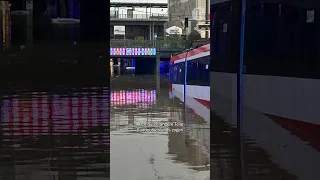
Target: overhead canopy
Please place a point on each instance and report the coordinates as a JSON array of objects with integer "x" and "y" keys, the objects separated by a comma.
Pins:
[{"x": 140, "y": 4}]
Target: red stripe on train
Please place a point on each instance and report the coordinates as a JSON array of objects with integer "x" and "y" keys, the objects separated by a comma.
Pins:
[
  {"x": 203, "y": 102},
  {"x": 193, "y": 52},
  {"x": 305, "y": 131}
]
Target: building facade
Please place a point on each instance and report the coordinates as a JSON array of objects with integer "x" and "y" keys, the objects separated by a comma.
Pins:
[
  {"x": 194, "y": 10},
  {"x": 135, "y": 24}
]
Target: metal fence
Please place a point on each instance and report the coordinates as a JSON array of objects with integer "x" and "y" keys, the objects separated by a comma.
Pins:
[
  {"x": 139, "y": 16},
  {"x": 159, "y": 44}
]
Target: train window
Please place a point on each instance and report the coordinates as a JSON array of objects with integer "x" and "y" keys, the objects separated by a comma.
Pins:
[
  {"x": 191, "y": 73},
  {"x": 220, "y": 53},
  {"x": 286, "y": 45}
]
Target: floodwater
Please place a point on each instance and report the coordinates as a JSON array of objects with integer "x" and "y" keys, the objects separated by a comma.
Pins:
[
  {"x": 151, "y": 138},
  {"x": 61, "y": 134},
  {"x": 253, "y": 162},
  {"x": 54, "y": 122},
  {"x": 64, "y": 132}
]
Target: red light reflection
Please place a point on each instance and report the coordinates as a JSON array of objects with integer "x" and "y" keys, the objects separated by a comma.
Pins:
[
  {"x": 35, "y": 116},
  {"x": 141, "y": 98}
]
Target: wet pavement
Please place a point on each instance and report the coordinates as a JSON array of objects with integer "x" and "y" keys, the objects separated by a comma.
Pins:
[{"x": 151, "y": 138}]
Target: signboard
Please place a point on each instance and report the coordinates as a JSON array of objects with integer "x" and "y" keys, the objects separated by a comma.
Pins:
[
  {"x": 310, "y": 16},
  {"x": 129, "y": 13},
  {"x": 119, "y": 30},
  {"x": 29, "y": 5},
  {"x": 174, "y": 30},
  {"x": 132, "y": 51}
]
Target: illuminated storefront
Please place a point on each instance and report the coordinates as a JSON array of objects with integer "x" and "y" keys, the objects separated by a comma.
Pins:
[{"x": 132, "y": 51}]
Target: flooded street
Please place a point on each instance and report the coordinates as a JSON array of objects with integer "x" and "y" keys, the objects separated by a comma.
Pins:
[
  {"x": 61, "y": 119},
  {"x": 54, "y": 99},
  {"x": 151, "y": 138},
  {"x": 61, "y": 134}
]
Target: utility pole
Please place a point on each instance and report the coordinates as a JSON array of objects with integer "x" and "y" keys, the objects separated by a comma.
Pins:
[
  {"x": 207, "y": 19},
  {"x": 186, "y": 25},
  {"x": 241, "y": 15},
  {"x": 29, "y": 8}
]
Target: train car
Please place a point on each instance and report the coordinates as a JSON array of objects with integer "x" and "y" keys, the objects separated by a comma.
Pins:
[
  {"x": 190, "y": 78},
  {"x": 280, "y": 80}
]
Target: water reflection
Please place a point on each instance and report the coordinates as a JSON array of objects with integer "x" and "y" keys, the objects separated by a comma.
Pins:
[
  {"x": 47, "y": 135},
  {"x": 258, "y": 163},
  {"x": 274, "y": 148},
  {"x": 141, "y": 149},
  {"x": 5, "y": 24}
]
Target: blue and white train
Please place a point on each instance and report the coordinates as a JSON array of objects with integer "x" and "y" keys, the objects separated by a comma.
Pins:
[
  {"x": 190, "y": 75},
  {"x": 280, "y": 80}
]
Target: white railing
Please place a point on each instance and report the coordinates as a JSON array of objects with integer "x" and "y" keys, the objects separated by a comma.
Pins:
[{"x": 139, "y": 16}]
